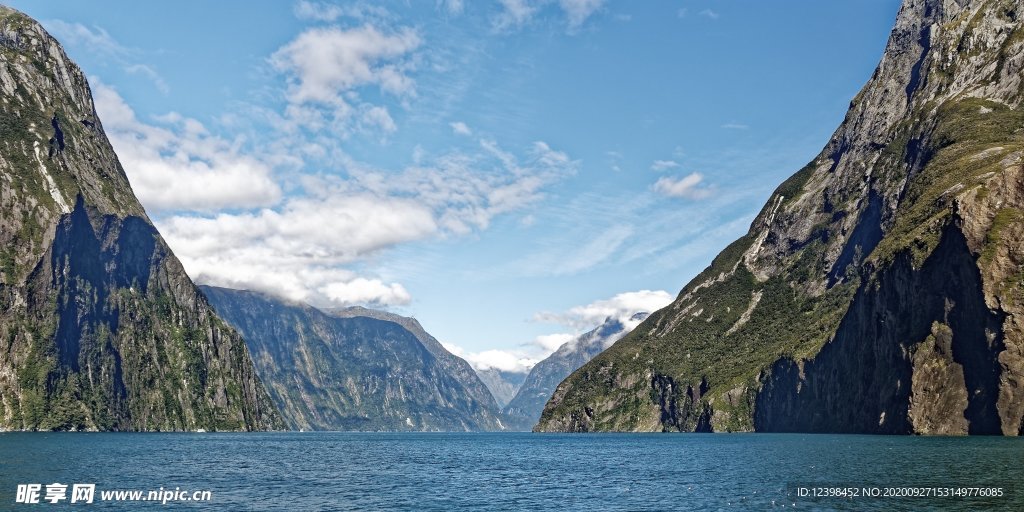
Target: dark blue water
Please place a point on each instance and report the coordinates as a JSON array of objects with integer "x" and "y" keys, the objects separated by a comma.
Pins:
[{"x": 348, "y": 471}]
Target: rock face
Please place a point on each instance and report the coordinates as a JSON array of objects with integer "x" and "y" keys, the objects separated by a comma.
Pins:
[
  {"x": 503, "y": 385},
  {"x": 881, "y": 289},
  {"x": 545, "y": 376},
  {"x": 356, "y": 369},
  {"x": 100, "y": 327}
]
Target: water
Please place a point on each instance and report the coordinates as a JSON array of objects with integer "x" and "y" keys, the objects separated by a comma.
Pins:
[{"x": 506, "y": 471}]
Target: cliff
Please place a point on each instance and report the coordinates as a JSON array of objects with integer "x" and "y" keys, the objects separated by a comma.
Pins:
[
  {"x": 880, "y": 289},
  {"x": 100, "y": 329}
]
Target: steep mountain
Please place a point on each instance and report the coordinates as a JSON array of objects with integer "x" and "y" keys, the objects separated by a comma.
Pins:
[
  {"x": 503, "y": 385},
  {"x": 450, "y": 363},
  {"x": 545, "y": 376},
  {"x": 880, "y": 289},
  {"x": 355, "y": 369},
  {"x": 100, "y": 326}
]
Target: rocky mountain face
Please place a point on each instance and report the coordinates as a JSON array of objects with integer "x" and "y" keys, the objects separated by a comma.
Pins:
[
  {"x": 451, "y": 364},
  {"x": 100, "y": 328},
  {"x": 503, "y": 385},
  {"x": 545, "y": 376},
  {"x": 880, "y": 289},
  {"x": 356, "y": 369}
]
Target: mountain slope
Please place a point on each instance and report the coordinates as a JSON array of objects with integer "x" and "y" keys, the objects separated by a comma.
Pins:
[
  {"x": 355, "y": 369},
  {"x": 450, "y": 363},
  {"x": 545, "y": 376},
  {"x": 880, "y": 289},
  {"x": 502, "y": 385},
  {"x": 100, "y": 326}
]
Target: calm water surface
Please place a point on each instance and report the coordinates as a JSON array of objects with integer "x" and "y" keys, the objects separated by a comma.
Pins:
[{"x": 506, "y": 471}]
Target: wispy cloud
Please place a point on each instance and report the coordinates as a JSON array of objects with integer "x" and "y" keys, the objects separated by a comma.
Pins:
[
  {"x": 708, "y": 13},
  {"x": 329, "y": 12},
  {"x": 452, "y": 7},
  {"x": 577, "y": 256},
  {"x": 579, "y": 10},
  {"x": 735, "y": 126},
  {"x": 151, "y": 74},
  {"x": 664, "y": 165},
  {"x": 95, "y": 38},
  {"x": 99, "y": 41},
  {"x": 515, "y": 14}
]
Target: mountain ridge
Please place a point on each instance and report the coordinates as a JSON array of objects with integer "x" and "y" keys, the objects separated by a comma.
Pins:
[{"x": 356, "y": 368}]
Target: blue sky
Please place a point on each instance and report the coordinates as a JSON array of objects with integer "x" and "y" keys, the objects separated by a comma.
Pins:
[{"x": 508, "y": 172}]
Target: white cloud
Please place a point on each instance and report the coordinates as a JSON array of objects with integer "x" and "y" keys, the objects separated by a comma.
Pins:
[
  {"x": 514, "y": 14},
  {"x": 453, "y": 7},
  {"x": 686, "y": 187},
  {"x": 363, "y": 291},
  {"x": 579, "y": 10},
  {"x": 380, "y": 118},
  {"x": 178, "y": 165},
  {"x": 581, "y": 319},
  {"x": 323, "y": 63},
  {"x": 621, "y": 307},
  {"x": 682, "y": 12},
  {"x": 317, "y": 11},
  {"x": 517, "y": 13},
  {"x": 460, "y": 128},
  {"x": 327, "y": 12},
  {"x": 301, "y": 248},
  {"x": 708, "y": 13},
  {"x": 735, "y": 126},
  {"x": 663, "y": 165},
  {"x": 550, "y": 342},
  {"x": 511, "y": 361}
]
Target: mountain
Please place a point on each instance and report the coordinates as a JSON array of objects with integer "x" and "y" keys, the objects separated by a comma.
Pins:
[
  {"x": 356, "y": 368},
  {"x": 452, "y": 364},
  {"x": 101, "y": 328},
  {"x": 545, "y": 376},
  {"x": 880, "y": 289},
  {"x": 503, "y": 385}
]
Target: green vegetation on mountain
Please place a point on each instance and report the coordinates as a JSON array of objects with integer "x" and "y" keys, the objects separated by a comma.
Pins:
[
  {"x": 356, "y": 368},
  {"x": 879, "y": 289},
  {"x": 100, "y": 329}
]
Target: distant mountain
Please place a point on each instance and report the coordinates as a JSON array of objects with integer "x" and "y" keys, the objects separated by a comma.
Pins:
[
  {"x": 545, "y": 376},
  {"x": 880, "y": 289},
  {"x": 503, "y": 385},
  {"x": 101, "y": 327},
  {"x": 356, "y": 368},
  {"x": 452, "y": 364}
]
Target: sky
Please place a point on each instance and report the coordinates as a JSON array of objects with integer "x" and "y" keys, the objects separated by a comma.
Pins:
[{"x": 509, "y": 172}]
